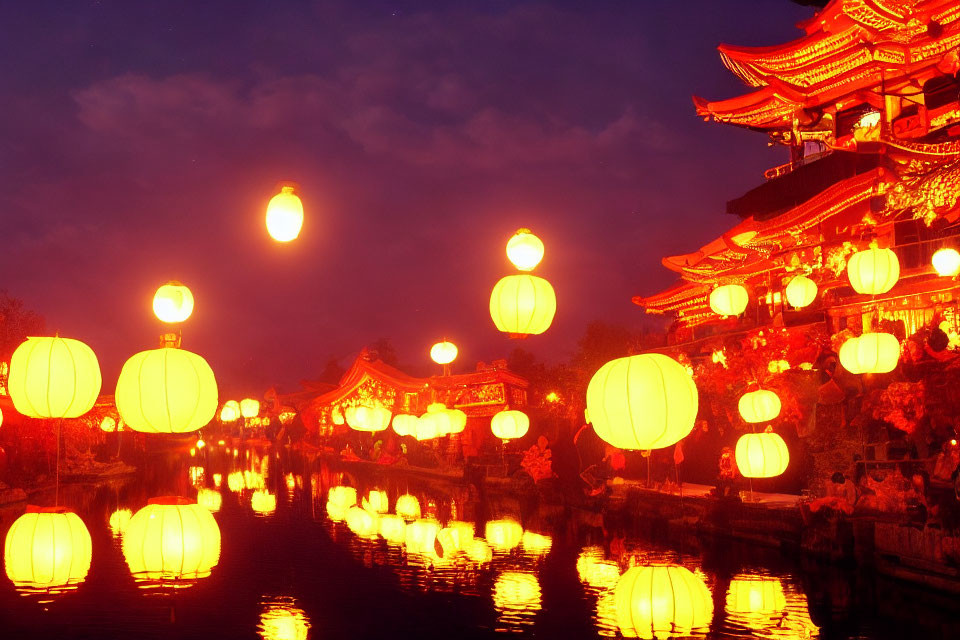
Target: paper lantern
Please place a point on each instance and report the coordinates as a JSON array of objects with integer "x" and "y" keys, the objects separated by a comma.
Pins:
[
  {"x": 211, "y": 500},
  {"x": 479, "y": 551},
  {"x": 362, "y": 418},
  {"x": 756, "y": 595},
  {"x": 263, "y": 502},
  {"x": 870, "y": 353},
  {"x": 249, "y": 408},
  {"x": 53, "y": 378},
  {"x": 516, "y": 592},
  {"x": 503, "y": 534},
  {"x": 230, "y": 411},
  {"x": 453, "y": 538},
  {"x": 729, "y": 300},
  {"x": 525, "y": 250},
  {"x": 361, "y": 522},
  {"x": 946, "y": 262},
  {"x": 281, "y": 620},
  {"x": 428, "y": 426},
  {"x": 421, "y": 536},
  {"x": 166, "y": 391},
  {"x": 443, "y": 352},
  {"x": 392, "y": 528},
  {"x": 284, "y": 215},
  {"x": 762, "y": 405},
  {"x": 873, "y": 271},
  {"x": 801, "y": 292},
  {"x": 108, "y": 424},
  {"x": 173, "y": 302},
  {"x": 761, "y": 455},
  {"x": 523, "y": 305},
  {"x": 47, "y": 549},
  {"x": 339, "y": 499},
  {"x": 172, "y": 539},
  {"x": 119, "y": 520},
  {"x": 647, "y": 401},
  {"x": 376, "y": 502},
  {"x": 441, "y": 418},
  {"x": 404, "y": 424},
  {"x": 408, "y": 507},
  {"x": 510, "y": 424},
  {"x": 535, "y": 543},
  {"x": 662, "y": 600}
]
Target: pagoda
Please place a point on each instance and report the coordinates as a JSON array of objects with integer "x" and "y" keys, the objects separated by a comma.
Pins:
[{"x": 866, "y": 103}]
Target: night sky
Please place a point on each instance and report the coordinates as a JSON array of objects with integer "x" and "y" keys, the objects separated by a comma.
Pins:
[{"x": 140, "y": 142}]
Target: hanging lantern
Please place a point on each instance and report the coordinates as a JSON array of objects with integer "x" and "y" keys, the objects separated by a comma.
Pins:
[
  {"x": 392, "y": 528},
  {"x": 873, "y": 271},
  {"x": 662, "y": 600},
  {"x": 729, "y": 300},
  {"x": 376, "y": 502},
  {"x": 510, "y": 424},
  {"x": 458, "y": 420},
  {"x": 759, "y": 406},
  {"x": 946, "y": 262},
  {"x": 53, "y": 378},
  {"x": 263, "y": 502},
  {"x": 503, "y": 534},
  {"x": 284, "y": 215},
  {"x": 166, "y": 391},
  {"x": 47, "y": 549},
  {"x": 108, "y": 424},
  {"x": 440, "y": 418},
  {"x": 525, "y": 250},
  {"x": 801, "y": 292},
  {"x": 647, "y": 401},
  {"x": 173, "y": 302},
  {"x": 523, "y": 305},
  {"x": 408, "y": 507},
  {"x": 443, "y": 352},
  {"x": 362, "y": 418},
  {"x": 870, "y": 353},
  {"x": 404, "y": 424},
  {"x": 421, "y": 536},
  {"x": 171, "y": 539},
  {"x": 428, "y": 427},
  {"x": 249, "y": 408},
  {"x": 210, "y": 500},
  {"x": 761, "y": 455},
  {"x": 119, "y": 520}
]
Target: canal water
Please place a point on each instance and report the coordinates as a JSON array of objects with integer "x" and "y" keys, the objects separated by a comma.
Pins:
[{"x": 295, "y": 563}]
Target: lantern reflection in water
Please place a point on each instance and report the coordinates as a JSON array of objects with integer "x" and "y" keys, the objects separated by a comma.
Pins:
[
  {"x": 535, "y": 544},
  {"x": 408, "y": 507},
  {"x": 503, "y": 535},
  {"x": 516, "y": 597},
  {"x": 47, "y": 550},
  {"x": 210, "y": 500},
  {"x": 283, "y": 620},
  {"x": 263, "y": 502},
  {"x": 595, "y": 571},
  {"x": 339, "y": 499},
  {"x": 119, "y": 520},
  {"x": 764, "y": 605},
  {"x": 658, "y": 600}
]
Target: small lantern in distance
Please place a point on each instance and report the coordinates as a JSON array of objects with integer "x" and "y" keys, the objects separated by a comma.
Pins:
[
  {"x": 443, "y": 353},
  {"x": 173, "y": 302},
  {"x": 285, "y": 215},
  {"x": 525, "y": 250}
]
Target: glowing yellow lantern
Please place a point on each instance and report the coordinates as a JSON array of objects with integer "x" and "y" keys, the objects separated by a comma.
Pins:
[
  {"x": 284, "y": 215},
  {"x": 47, "y": 549},
  {"x": 281, "y": 620},
  {"x": 662, "y": 600},
  {"x": 210, "y": 500},
  {"x": 361, "y": 522},
  {"x": 516, "y": 592},
  {"x": 263, "y": 502},
  {"x": 249, "y": 408},
  {"x": 362, "y": 418},
  {"x": 421, "y": 536},
  {"x": 873, "y": 271},
  {"x": 647, "y": 401},
  {"x": 523, "y": 305},
  {"x": 230, "y": 412},
  {"x": 946, "y": 262},
  {"x": 456, "y": 536},
  {"x": 171, "y": 539},
  {"x": 458, "y": 420},
  {"x": 503, "y": 534},
  {"x": 173, "y": 302},
  {"x": 408, "y": 507},
  {"x": 525, "y": 250},
  {"x": 535, "y": 543},
  {"x": 428, "y": 426},
  {"x": 166, "y": 391},
  {"x": 755, "y": 595},
  {"x": 339, "y": 499},
  {"x": 376, "y": 502},
  {"x": 761, "y": 455},
  {"x": 404, "y": 424},
  {"x": 479, "y": 551},
  {"x": 443, "y": 352},
  {"x": 595, "y": 570},
  {"x": 53, "y": 378},
  {"x": 119, "y": 520},
  {"x": 510, "y": 424},
  {"x": 393, "y": 529},
  {"x": 108, "y": 424},
  {"x": 336, "y": 416},
  {"x": 870, "y": 353},
  {"x": 801, "y": 292},
  {"x": 217, "y": 480},
  {"x": 1, "y": 418},
  {"x": 729, "y": 300},
  {"x": 762, "y": 405}
]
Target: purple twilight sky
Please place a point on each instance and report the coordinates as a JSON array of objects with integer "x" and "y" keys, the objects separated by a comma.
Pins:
[{"x": 140, "y": 142}]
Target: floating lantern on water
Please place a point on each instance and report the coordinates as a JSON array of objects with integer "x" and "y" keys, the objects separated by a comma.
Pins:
[
  {"x": 946, "y": 262},
  {"x": 362, "y": 418},
  {"x": 408, "y": 507},
  {"x": 510, "y": 424},
  {"x": 873, "y": 271},
  {"x": 525, "y": 250},
  {"x": 535, "y": 543},
  {"x": 443, "y": 352},
  {"x": 647, "y": 401},
  {"x": 662, "y": 600},
  {"x": 456, "y": 536},
  {"x": 53, "y": 378},
  {"x": 282, "y": 620},
  {"x": 376, "y": 502},
  {"x": 870, "y": 353},
  {"x": 47, "y": 550},
  {"x": 801, "y": 292},
  {"x": 392, "y": 528},
  {"x": 119, "y": 520},
  {"x": 172, "y": 541},
  {"x": 729, "y": 300},
  {"x": 503, "y": 535},
  {"x": 761, "y": 455},
  {"x": 339, "y": 499},
  {"x": 361, "y": 522},
  {"x": 166, "y": 391},
  {"x": 285, "y": 215},
  {"x": 762, "y": 405},
  {"x": 421, "y": 536},
  {"x": 210, "y": 500},
  {"x": 173, "y": 302},
  {"x": 523, "y": 305},
  {"x": 479, "y": 551}
]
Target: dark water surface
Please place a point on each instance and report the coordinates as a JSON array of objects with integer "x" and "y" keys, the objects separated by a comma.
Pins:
[{"x": 294, "y": 573}]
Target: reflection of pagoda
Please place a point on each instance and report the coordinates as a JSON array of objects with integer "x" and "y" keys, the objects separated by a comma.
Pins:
[{"x": 866, "y": 101}]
